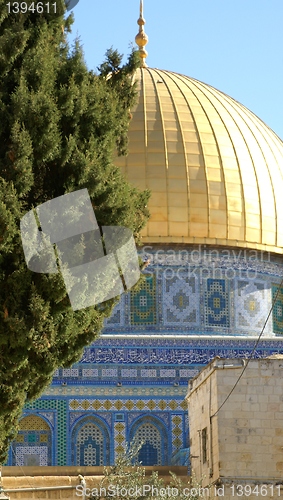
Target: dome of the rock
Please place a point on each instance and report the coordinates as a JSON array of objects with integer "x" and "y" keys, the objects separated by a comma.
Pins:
[
  {"x": 213, "y": 283},
  {"x": 214, "y": 169}
]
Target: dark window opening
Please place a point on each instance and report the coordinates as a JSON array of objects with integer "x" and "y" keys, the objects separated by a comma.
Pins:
[{"x": 204, "y": 445}]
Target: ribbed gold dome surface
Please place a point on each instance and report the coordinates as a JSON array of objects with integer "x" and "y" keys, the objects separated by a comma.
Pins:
[{"x": 215, "y": 170}]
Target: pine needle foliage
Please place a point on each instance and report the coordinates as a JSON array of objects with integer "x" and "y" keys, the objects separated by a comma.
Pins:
[{"x": 59, "y": 127}]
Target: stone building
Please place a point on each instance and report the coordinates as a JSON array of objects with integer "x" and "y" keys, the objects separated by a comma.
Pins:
[
  {"x": 214, "y": 250},
  {"x": 238, "y": 447}
]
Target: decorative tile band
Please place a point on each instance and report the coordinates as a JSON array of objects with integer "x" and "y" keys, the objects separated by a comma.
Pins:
[
  {"x": 201, "y": 290},
  {"x": 127, "y": 405}
]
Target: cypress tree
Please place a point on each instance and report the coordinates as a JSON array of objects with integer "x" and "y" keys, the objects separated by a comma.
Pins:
[{"x": 59, "y": 127}]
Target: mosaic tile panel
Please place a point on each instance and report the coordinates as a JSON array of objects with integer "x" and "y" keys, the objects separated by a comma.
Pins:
[
  {"x": 110, "y": 372},
  {"x": 90, "y": 442},
  {"x": 181, "y": 300},
  {"x": 187, "y": 374},
  {"x": 59, "y": 438},
  {"x": 143, "y": 303},
  {"x": 217, "y": 303},
  {"x": 118, "y": 315},
  {"x": 32, "y": 445},
  {"x": 70, "y": 372},
  {"x": 129, "y": 373},
  {"x": 49, "y": 416},
  {"x": 32, "y": 456},
  {"x": 150, "y": 452},
  {"x": 177, "y": 432},
  {"x": 278, "y": 309},
  {"x": 135, "y": 418},
  {"x": 33, "y": 423},
  {"x": 148, "y": 373},
  {"x": 92, "y": 372},
  {"x": 75, "y": 416},
  {"x": 252, "y": 306},
  {"x": 153, "y": 430},
  {"x": 89, "y": 446},
  {"x": 119, "y": 438},
  {"x": 230, "y": 285},
  {"x": 126, "y": 404}
]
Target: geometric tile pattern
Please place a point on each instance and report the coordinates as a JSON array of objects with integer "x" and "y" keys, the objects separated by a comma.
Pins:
[
  {"x": 32, "y": 456},
  {"x": 49, "y": 416},
  {"x": 126, "y": 404},
  {"x": 251, "y": 306},
  {"x": 199, "y": 290},
  {"x": 33, "y": 423},
  {"x": 69, "y": 372},
  {"x": 32, "y": 445},
  {"x": 119, "y": 438},
  {"x": 143, "y": 303},
  {"x": 117, "y": 316},
  {"x": 181, "y": 300},
  {"x": 177, "y": 432},
  {"x": 278, "y": 309},
  {"x": 59, "y": 442},
  {"x": 150, "y": 452},
  {"x": 89, "y": 442},
  {"x": 166, "y": 336},
  {"x": 89, "y": 446},
  {"x": 217, "y": 303}
]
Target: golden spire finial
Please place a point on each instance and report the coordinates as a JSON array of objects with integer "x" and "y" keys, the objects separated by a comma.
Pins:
[{"x": 142, "y": 38}]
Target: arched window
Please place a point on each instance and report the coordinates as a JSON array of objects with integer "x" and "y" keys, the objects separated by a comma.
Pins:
[
  {"x": 150, "y": 453},
  {"x": 153, "y": 434},
  {"x": 90, "y": 443},
  {"x": 32, "y": 446}
]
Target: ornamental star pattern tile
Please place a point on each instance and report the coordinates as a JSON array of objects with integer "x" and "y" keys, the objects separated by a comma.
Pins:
[
  {"x": 96, "y": 405},
  {"x": 173, "y": 405},
  {"x": 217, "y": 303},
  {"x": 118, "y": 405},
  {"x": 129, "y": 404},
  {"x": 140, "y": 404},
  {"x": 85, "y": 404},
  {"x": 162, "y": 405},
  {"x": 107, "y": 404},
  {"x": 119, "y": 449},
  {"x": 151, "y": 404},
  {"x": 74, "y": 404}
]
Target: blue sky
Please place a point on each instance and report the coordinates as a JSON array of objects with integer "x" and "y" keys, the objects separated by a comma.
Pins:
[{"x": 233, "y": 45}]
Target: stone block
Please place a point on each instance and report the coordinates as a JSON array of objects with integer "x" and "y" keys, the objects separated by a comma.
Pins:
[
  {"x": 274, "y": 407},
  {"x": 267, "y": 390},
  {"x": 250, "y": 407},
  {"x": 255, "y": 422},
  {"x": 255, "y": 440}
]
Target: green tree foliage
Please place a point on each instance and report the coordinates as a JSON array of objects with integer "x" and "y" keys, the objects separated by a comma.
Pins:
[
  {"x": 128, "y": 479},
  {"x": 59, "y": 127}
]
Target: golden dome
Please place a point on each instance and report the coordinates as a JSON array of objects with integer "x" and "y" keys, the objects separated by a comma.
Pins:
[{"x": 215, "y": 170}]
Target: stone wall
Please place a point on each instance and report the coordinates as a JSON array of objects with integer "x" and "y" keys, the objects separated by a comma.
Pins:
[
  {"x": 243, "y": 442},
  {"x": 46, "y": 478}
]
